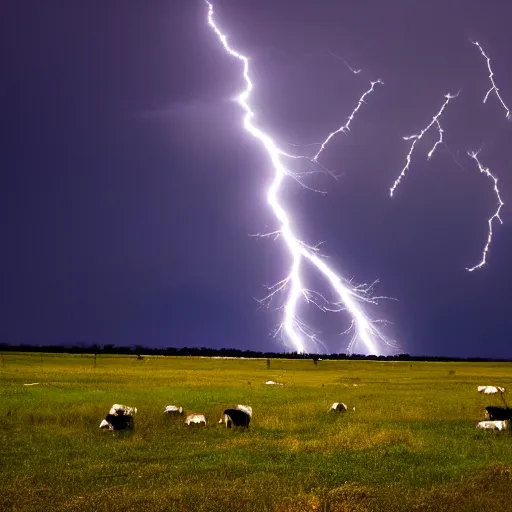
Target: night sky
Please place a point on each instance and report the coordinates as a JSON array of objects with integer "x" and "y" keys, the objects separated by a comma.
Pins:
[{"x": 130, "y": 189}]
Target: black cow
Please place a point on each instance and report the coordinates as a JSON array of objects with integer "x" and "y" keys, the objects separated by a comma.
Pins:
[
  {"x": 494, "y": 413},
  {"x": 236, "y": 418},
  {"x": 120, "y": 417}
]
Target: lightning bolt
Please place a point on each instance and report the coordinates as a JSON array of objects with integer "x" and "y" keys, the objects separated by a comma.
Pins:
[
  {"x": 418, "y": 136},
  {"x": 346, "y": 127},
  {"x": 355, "y": 71},
  {"x": 472, "y": 154},
  {"x": 349, "y": 297},
  {"x": 439, "y": 141},
  {"x": 493, "y": 83},
  {"x": 496, "y": 215}
]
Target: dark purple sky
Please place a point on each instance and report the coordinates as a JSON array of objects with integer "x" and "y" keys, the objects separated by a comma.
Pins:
[{"x": 130, "y": 189}]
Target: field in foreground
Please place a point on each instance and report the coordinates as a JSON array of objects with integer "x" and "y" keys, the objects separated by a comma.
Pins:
[{"x": 410, "y": 444}]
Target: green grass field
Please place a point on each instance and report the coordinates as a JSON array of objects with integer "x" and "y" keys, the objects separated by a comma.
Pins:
[{"x": 410, "y": 444}]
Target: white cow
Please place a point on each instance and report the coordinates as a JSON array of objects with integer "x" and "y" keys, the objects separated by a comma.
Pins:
[
  {"x": 196, "y": 419},
  {"x": 272, "y": 383},
  {"x": 493, "y": 425},
  {"x": 172, "y": 409},
  {"x": 490, "y": 390}
]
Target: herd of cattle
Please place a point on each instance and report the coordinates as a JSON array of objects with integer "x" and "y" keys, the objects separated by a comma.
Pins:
[{"x": 120, "y": 417}]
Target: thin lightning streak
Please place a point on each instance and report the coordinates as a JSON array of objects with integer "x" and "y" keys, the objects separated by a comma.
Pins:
[
  {"x": 355, "y": 71},
  {"x": 491, "y": 78},
  {"x": 348, "y": 295},
  {"x": 496, "y": 215},
  {"x": 439, "y": 141},
  {"x": 417, "y": 137},
  {"x": 346, "y": 127}
]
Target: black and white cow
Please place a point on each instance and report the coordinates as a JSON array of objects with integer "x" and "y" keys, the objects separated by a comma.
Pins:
[
  {"x": 238, "y": 417},
  {"x": 120, "y": 417}
]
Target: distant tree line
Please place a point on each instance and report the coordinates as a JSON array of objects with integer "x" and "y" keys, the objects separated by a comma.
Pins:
[{"x": 138, "y": 350}]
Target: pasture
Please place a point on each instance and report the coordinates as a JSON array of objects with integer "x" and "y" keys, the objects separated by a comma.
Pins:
[{"x": 410, "y": 444}]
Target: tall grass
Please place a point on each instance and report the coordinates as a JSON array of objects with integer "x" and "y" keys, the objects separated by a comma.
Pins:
[{"x": 410, "y": 444}]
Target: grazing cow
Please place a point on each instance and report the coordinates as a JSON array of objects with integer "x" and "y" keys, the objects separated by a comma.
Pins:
[
  {"x": 490, "y": 390},
  {"x": 339, "y": 406},
  {"x": 272, "y": 383},
  {"x": 172, "y": 409},
  {"x": 120, "y": 417},
  {"x": 494, "y": 425},
  {"x": 245, "y": 408},
  {"x": 196, "y": 419},
  {"x": 236, "y": 417},
  {"x": 494, "y": 413}
]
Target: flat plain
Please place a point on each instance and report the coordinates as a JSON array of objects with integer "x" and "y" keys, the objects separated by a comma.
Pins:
[{"x": 410, "y": 444}]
